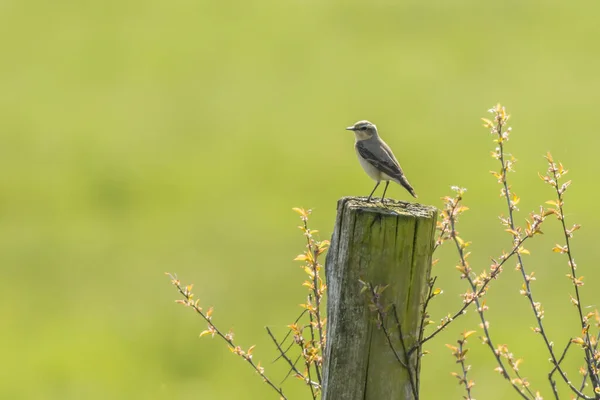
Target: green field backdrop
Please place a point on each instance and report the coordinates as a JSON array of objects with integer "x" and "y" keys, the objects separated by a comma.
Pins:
[{"x": 138, "y": 137}]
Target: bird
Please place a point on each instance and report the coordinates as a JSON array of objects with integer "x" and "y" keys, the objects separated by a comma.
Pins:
[{"x": 377, "y": 159}]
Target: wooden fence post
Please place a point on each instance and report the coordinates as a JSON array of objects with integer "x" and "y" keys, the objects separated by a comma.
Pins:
[{"x": 383, "y": 245}]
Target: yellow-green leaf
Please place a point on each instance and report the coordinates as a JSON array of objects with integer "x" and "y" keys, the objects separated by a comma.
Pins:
[
  {"x": 300, "y": 211},
  {"x": 467, "y": 334}
]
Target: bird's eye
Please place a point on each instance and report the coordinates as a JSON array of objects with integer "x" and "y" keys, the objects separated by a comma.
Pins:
[{"x": 363, "y": 128}]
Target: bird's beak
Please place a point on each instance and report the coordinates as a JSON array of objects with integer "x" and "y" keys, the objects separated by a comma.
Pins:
[{"x": 350, "y": 128}]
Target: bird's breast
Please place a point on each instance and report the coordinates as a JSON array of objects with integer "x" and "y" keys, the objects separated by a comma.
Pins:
[{"x": 369, "y": 168}]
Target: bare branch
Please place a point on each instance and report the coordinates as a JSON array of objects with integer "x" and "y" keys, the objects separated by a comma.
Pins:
[{"x": 186, "y": 292}]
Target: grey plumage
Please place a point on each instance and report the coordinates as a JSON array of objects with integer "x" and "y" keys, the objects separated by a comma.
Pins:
[
  {"x": 376, "y": 157},
  {"x": 379, "y": 154}
]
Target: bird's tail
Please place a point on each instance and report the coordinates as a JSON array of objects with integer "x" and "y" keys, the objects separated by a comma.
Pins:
[{"x": 404, "y": 182}]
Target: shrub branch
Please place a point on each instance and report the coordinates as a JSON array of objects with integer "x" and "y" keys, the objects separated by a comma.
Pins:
[
  {"x": 506, "y": 165},
  {"x": 212, "y": 330}
]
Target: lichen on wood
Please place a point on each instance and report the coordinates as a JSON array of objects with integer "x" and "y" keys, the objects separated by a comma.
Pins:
[{"x": 382, "y": 244}]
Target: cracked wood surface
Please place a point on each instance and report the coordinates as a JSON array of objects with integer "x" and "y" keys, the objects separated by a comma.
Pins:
[{"x": 389, "y": 244}]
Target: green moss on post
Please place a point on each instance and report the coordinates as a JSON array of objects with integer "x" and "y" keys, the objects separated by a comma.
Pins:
[{"x": 383, "y": 245}]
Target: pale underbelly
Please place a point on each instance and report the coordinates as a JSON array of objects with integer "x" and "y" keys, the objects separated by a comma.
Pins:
[{"x": 373, "y": 172}]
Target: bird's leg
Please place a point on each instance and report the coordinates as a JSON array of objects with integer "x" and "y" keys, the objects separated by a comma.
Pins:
[
  {"x": 375, "y": 188},
  {"x": 384, "y": 190}
]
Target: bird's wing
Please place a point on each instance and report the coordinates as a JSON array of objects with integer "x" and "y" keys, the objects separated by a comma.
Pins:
[{"x": 380, "y": 157}]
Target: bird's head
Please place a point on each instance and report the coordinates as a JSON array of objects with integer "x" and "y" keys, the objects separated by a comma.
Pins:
[{"x": 363, "y": 130}]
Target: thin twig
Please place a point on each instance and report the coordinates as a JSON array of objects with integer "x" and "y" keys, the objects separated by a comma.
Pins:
[
  {"x": 500, "y": 120},
  {"x": 440, "y": 240},
  {"x": 424, "y": 316},
  {"x": 312, "y": 337},
  {"x": 316, "y": 284},
  {"x": 464, "y": 369},
  {"x": 381, "y": 320},
  {"x": 415, "y": 385},
  {"x": 589, "y": 356},
  {"x": 287, "y": 359},
  {"x": 290, "y": 371},
  {"x": 289, "y": 332},
  {"x": 186, "y": 293},
  {"x": 480, "y": 310},
  {"x": 312, "y": 348},
  {"x": 476, "y": 295},
  {"x": 312, "y": 389},
  {"x": 299, "y": 340},
  {"x": 552, "y": 381},
  {"x": 584, "y": 379}
]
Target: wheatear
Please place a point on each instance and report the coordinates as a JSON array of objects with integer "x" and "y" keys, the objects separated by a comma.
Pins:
[{"x": 376, "y": 158}]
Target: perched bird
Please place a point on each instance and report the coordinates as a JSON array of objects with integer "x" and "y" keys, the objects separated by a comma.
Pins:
[{"x": 376, "y": 158}]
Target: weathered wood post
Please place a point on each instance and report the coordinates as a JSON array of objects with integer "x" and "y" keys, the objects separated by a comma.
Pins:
[{"x": 383, "y": 245}]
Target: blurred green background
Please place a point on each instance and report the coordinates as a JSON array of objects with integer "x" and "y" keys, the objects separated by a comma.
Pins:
[{"x": 138, "y": 137}]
